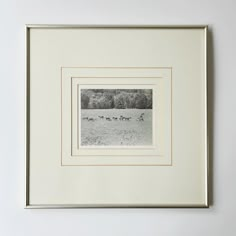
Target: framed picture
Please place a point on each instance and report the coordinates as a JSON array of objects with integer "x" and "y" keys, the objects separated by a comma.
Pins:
[{"x": 116, "y": 116}]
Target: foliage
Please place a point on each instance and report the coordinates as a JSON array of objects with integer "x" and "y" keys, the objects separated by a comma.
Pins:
[
  {"x": 116, "y": 98},
  {"x": 84, "y": 101}
]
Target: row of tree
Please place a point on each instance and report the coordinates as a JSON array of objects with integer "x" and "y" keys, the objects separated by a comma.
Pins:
[{"x": 116, "y": 98}]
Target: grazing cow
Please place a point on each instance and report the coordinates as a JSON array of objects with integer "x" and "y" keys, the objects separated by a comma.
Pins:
[
  {"x": 101, "y": 117},
  {"x": 108, "y": 118},
  {"x": 91, "y": 119},
  {"x": 140, "y": 118},
  {"x": 114, "y": 118},
  {"x": 85, "y": 118}
]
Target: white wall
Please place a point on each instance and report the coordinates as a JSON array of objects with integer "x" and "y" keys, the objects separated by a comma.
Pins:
[{"x": 219, "y": 219}]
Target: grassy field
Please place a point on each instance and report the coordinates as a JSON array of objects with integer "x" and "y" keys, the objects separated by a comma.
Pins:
[{"x": 108, "y": 131}]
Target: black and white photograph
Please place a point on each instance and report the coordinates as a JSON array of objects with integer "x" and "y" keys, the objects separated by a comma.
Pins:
[{"x": 116, "y": 117}]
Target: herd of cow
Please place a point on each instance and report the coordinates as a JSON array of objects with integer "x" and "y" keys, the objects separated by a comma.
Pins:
[{"x": 121, "y": 118}]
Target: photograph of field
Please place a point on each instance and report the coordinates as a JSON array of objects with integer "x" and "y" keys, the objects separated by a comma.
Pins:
[{"x": 116, "y": 117}]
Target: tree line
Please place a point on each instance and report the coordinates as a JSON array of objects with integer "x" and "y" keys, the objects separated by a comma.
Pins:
[{"x": 116, "y": 98}]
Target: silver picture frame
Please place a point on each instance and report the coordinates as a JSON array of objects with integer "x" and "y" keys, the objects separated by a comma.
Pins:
[{"x": 28, "y": 204}]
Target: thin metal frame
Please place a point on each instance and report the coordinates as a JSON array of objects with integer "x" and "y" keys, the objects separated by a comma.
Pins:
[{"x": 27, "y": 116}]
